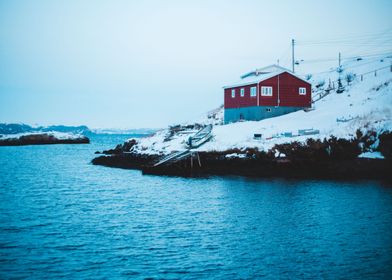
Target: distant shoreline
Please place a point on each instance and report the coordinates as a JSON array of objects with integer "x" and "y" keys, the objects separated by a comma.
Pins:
[{"x": 43, "y": 139}]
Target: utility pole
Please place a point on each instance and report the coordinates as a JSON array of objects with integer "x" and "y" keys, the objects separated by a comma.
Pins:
[
  {"x": 340, "y": 59},
  {"x": 292, "y": 52}
]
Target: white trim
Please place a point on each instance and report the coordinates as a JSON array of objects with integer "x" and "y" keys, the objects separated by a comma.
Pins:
[
  {"x": 266, "y": 91},
  {"x": 302, "y": 91},
  {"x": 265, "y": 70},
  {"x": 242, "y": 92},
  {"x": 241, "y": 84},
  {"x": 233, "y": 93}
]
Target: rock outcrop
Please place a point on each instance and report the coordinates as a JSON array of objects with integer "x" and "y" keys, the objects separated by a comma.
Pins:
[{"x": 331, "y": 158}]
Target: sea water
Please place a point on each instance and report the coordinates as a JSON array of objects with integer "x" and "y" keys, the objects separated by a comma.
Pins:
[{"x": 61, "y": 216}]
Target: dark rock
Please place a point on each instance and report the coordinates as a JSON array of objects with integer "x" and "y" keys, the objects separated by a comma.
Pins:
[
  {"x": 128, "y": 161},
  {"x": 315, "y": 150},
  {"x": 121, "y": 148},
  {"x": 385, "y": 145},
  {"x": 331, "y": 158},
  {"x": 127, "y": 146}
]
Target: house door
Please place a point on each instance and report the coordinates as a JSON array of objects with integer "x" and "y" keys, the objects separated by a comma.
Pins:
[{"x": 241, "y": 116}]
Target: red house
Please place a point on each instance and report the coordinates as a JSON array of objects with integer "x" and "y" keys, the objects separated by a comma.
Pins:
[{"x": 264, "y": 93}]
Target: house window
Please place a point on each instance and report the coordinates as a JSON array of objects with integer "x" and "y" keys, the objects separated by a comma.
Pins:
[
  {"x": 233, "y": 93},
  {"x": 253, "y": 91},
  {"x": 266, "y": 91},
  {"x": 268, "y": 109},
  {"x": 302, "y": 91},
  {"x": 242, "y": 92}
]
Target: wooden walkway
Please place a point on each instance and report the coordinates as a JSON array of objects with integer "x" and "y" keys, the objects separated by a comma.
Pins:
[{"x": 201, "y": 137}]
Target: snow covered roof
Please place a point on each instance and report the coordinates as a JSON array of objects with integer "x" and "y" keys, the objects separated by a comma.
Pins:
[
  {"x": 265, "y": 70},
  {"x": 261, "y": 74}
]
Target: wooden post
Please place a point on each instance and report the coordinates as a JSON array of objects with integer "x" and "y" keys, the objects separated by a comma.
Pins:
[
  {"x": 340, "y": 60},
  {"x": 375, "y": 73},
  {"x": 191, "y": 161},
  {"x": 198, "y": 158},
  {"x": 361, "y": 78}
]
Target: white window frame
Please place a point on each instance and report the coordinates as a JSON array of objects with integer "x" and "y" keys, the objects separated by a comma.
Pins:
[
  {"x": 242, "y": 92},
  {"x": 268, "y": 110},
  {"x": 233, "y": 93},
  {"x": 253, "y": 91},
  {"x": 266, "y": 91},
  {"x": 302, "y": 91}
]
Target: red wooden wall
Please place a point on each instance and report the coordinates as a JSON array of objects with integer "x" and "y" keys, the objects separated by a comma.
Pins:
[
  {"x": 288, "y": 92},
  {"x": 239, "y": 101}
]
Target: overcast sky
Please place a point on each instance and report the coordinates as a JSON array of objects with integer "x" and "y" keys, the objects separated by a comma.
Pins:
[{"x": 132, "y": 64}]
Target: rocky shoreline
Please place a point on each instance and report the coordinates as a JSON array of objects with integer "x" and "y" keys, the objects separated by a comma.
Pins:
[
  {"x": 42, "y": 139},
  {"x": 328, "y": 159},
  {"x": 217, "y": 165}
]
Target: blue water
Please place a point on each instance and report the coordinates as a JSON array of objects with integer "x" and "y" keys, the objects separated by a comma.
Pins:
[{"x": 61, "y": 216}]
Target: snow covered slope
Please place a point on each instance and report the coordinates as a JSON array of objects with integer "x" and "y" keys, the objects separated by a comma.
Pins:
[{"x": 365, "y": 104}]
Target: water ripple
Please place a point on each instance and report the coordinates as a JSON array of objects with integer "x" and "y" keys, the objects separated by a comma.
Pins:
[{"x": 61, "y": 217}]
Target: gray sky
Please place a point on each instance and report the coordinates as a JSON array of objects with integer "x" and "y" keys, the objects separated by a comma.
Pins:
[{"x": 129, "y": 64}]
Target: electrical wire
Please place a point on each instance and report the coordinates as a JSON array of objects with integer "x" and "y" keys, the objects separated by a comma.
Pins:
[{"x": 349, "y": 39}]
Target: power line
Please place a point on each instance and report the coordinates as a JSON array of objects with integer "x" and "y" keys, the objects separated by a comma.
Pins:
[
  {"x": 369, "y": 41},
  {"x": 364, "y": 55},
  {"x": 379, "y": 41},
  {"x": 361, "y": 37},
  {"x": 284, "y": 57},
  {"x": 364, "y": 43},
  {"x": 332, "y": 70},
  {"x": 344, "y": 42}
]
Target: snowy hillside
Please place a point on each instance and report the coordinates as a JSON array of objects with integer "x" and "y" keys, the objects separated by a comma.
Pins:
[{"x": 365, "y": 103}]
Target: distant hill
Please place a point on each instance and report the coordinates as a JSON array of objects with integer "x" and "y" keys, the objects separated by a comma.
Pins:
[
  {"x": 81, "y": 129},
  {"x": 15, "y": 128}
]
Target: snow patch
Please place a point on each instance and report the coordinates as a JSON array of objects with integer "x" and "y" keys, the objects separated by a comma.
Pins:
[
  {"x": 235, "y": 155},
  {"x": 372, "y": 155}
]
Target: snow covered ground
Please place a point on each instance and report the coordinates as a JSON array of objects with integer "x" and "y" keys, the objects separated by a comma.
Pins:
[{"x": 365, "y": 104}]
